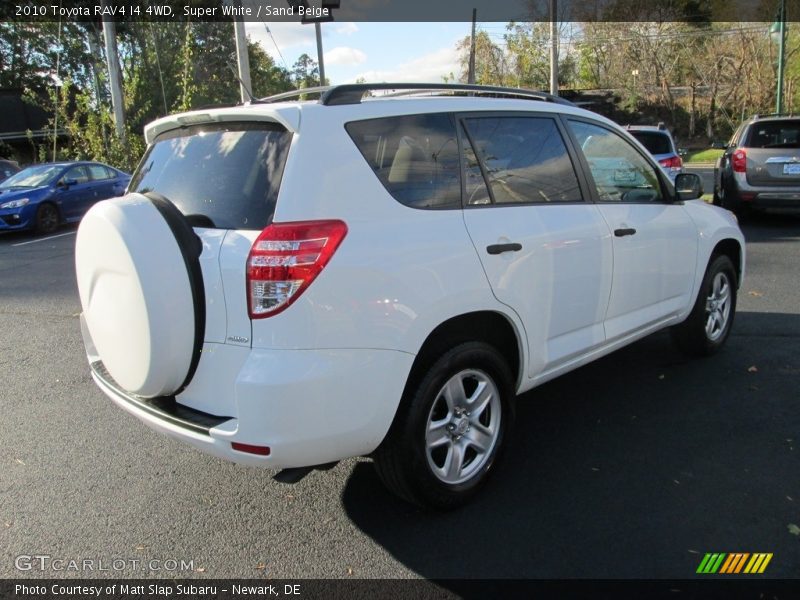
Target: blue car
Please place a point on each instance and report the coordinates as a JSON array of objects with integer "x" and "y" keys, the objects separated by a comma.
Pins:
[{"x": 42, "y": 197}]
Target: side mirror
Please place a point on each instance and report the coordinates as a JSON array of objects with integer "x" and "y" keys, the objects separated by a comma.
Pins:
[
  {"x": 688, "y": 186},
  {"x": 67, "y": 183}
]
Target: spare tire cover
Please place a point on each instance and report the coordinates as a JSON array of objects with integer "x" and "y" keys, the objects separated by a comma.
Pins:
[{"x": 136, "y": 295}]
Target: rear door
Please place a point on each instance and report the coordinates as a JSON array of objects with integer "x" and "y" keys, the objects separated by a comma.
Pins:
[
  {"x": 545, "y": 250},
  {"x": 654, "y": 239}
]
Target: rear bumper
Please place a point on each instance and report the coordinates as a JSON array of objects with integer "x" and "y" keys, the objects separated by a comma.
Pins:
[
  {"x": 776, "y": 200},
  {"x": 760, "y": 196},
  {"x": 308, "y": 406}
]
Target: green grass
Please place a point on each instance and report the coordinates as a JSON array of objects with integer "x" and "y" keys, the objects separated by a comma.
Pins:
[{"x": 703, "y": 156}]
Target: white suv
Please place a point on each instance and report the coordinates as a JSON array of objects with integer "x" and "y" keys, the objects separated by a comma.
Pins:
[{"x": 290, "y": 283}]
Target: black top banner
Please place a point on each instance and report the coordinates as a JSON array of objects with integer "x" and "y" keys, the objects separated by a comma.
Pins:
[{"x": 696, "y": 11}]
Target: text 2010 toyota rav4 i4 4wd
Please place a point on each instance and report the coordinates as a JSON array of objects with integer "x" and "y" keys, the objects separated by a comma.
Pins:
[{"x": 289, "y": 283}]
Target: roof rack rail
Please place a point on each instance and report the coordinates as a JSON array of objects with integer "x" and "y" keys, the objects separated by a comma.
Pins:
[
  {"x": 353, "y": 93},
  {"x": 760, "y": 116},
  {"x": 320, "y": 89}
]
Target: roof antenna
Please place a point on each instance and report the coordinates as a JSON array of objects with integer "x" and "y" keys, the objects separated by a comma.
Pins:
[{"x": 244, "y": 87}]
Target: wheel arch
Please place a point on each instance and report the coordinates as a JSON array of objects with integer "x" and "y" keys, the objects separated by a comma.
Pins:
[{"x": 732, "y": 249}]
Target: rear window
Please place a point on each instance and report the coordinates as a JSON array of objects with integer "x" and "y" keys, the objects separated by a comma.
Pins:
[
  {"x": 775, "y": 134},
  {"x": 415, "y": 157},
  {"x": 656, "y": 143},
  {"x": 223, "y": 175}
]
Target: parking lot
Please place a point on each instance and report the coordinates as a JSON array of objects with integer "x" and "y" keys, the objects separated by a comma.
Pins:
[{"x": 632, "y": 467}]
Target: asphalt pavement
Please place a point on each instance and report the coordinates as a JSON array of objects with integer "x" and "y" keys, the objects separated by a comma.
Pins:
[{"x": 632, "y": 467}]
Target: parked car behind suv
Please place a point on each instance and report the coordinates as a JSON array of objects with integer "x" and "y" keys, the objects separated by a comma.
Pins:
[
  {"x": 659, "y": 142},
  {"x": 760, "y": 167},
  {"x": 288, "y": 284},
  {"x": 43, "y": 196}
]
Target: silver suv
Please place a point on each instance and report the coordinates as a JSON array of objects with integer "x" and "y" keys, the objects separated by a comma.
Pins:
[{"x": 761, "y": 166}]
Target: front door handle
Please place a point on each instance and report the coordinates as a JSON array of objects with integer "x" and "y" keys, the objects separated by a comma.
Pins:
[
  {"x": 500, "y": 248},
  {"x": 624, "y": 232}
]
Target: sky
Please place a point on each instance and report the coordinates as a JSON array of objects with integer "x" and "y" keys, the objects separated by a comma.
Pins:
[{"x": 392, "y": 52}]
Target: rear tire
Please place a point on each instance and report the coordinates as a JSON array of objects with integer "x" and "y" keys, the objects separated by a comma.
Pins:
[
  {"x": 47, "y": 219},
  {"x": 707, "y": 328},
  {"x": 450, "y": 430}
]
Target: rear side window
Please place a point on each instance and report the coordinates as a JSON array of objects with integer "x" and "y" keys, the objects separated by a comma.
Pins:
[
  {"x": 223, "y": 175},
  {"x": 656, "y": 143},
  {"x": 99, "y": 172},
  {"x": 415, "y": 157},
  {"x": 774, "y": 134},
  {"x": 524, "y": 160}
]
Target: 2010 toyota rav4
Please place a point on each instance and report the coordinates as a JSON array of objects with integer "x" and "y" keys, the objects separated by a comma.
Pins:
[{"x": 287, "y": 284}]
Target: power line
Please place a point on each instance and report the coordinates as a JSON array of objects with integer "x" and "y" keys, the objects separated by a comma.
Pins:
[{"x": 276, "y": 46}]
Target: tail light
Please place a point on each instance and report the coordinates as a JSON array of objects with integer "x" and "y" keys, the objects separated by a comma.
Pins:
[
  {"x": 674, "y": 162},
  {"x": 285, "y": 259},
  {"x": 739, "y": 161}
]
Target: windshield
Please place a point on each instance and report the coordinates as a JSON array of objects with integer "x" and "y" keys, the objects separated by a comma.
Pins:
[
  {"x": 775, "y": 134},
  {"x": 33, "y": 177},
  {"x": 656, "y": 143},
  {"x": 223, "y": 175}
]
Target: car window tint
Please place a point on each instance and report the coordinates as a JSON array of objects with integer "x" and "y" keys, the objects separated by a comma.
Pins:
[
  {"x": 227, "y": 173},
  {"x": 98, "y": 172},
  {"x": 415, "y": 157},
  {"x": 656, "y": 143},
  {"x": 620, "y": 173},
  {"x": 79, "y": 174},
  {"x": 775, "y": 134},
  {"x": 524, "y": 159}
]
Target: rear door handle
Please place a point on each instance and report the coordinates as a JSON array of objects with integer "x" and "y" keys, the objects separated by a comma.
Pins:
[
  {"x": 500, "y": 248},
  {"x": 624, "y": 232}
]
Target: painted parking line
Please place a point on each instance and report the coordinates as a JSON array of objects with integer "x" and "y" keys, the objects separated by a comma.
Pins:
[{"x": 52, "y": 237}]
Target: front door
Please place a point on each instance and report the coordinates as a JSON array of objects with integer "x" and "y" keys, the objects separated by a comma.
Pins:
[{"x": 654, "y": 239}]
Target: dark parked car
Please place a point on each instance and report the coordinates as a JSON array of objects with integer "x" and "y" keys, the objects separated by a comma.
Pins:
[
  {"x": 41, "y": 197},
  {"x": 761, "y": 166},
  {"x": 7, "y": 169}
]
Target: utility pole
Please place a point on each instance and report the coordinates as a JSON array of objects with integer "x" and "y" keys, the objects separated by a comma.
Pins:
[
  {"x": 553, "y": 49},
  {"x": 114, "y": 78},
  {"x": 781, "y": 57},
  {"x": 318, "y": 31},
  {"x": 242, "y": 58},
  {"x": 471, "y": 76}
]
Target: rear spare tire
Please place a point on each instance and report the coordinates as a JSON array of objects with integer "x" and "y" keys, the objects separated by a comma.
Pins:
[{"x": 141, "y": 290}]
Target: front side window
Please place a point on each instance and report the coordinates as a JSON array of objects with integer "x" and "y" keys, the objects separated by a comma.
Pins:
[
  {"x": 225, "y": 175},
  {"x": 524, "y": 160},
  {"x": 77, "y": 174},
  {"x": 415, "y": 157},
  {"x": 620, "y": 173}
]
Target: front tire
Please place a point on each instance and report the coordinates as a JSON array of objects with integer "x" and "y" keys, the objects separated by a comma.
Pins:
[
  {"x": 452, "y": 429},
  {"x": 47, "y": 218},
  {"x": 707, "y": 328}
]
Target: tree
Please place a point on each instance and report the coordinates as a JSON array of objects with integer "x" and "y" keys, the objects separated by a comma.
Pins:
[
  {"x": 490, "y": 61},
  {"x": 305, "y": 72}
]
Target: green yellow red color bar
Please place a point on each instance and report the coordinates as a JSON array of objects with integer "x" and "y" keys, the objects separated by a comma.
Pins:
[{"x": 732, "y": 563}]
